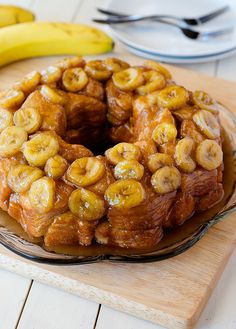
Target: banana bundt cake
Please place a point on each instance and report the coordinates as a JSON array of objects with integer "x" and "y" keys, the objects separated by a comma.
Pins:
[{"x": 103, "y": 152}]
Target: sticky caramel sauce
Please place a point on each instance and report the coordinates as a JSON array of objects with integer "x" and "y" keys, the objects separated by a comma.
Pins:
[{"x": 170, "y": 236}]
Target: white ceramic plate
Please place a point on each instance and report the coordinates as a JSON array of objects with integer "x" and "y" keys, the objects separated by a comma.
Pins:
[
  {"x": 165, "y": 40},
  {"x": 178, "y": 60}
]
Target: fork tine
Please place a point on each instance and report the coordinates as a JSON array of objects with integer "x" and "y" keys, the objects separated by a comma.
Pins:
[
  {"x": 216, "y": 33},
  {"x": 110, "y": 13},
  {"x": 210, "y": 16}
]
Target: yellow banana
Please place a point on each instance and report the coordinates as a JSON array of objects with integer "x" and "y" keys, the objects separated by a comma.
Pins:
[
  {"x": 10, "y": 15},
  {"x": 43, "y": 39}
]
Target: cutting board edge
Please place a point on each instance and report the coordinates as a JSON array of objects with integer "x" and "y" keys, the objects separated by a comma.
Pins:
[
  {"x": 27, "y": 269},
  {"x": 43, "y": 275},
  {"x": 193, "y": 319}
]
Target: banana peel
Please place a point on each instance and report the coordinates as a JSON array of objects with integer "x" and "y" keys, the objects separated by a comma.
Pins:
[
  {"x": 10, "y": 15},
  {"x": 36, "y": 39}
]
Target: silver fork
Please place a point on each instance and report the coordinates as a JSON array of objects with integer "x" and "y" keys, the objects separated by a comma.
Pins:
[
  {"x": 188, "y": 32},
  {"x": 189, "y": 21}
]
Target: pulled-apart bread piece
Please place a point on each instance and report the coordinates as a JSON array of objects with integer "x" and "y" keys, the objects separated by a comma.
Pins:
[
  {"x": 52, "y": 115},
  {"x": 84, "y": 111},
  {"x": 160, "y": 160}
]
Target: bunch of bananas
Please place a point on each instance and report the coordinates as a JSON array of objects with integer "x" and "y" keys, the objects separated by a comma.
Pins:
[
  {"x": 10, "y": 15},
  {"x": 33, "y": 39}
]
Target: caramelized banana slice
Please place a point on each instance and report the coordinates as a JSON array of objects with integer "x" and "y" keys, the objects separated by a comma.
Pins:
[
  {"x": 56, "y": 166},
  {"x": 147, "y": 147},
  {"x": 167, "y": 148},
  {"x": 11, "y": 140},
  {"x": 128, "y": 79},
  {"x": 123, "y": 151},
  {"x": 158, "y": 67},
  {"x": 189, "y": 129},
  {"x": 115, "y": 64},
  {"x": 207, "y": 123},
  {"x": 85, "y": 171},
  {"x": 70, "y": 62},
  {"x": 129, "y": 169},
  {"x": 20, "y": 177},
  {"x": 166, "y": 179},
  {"x": 209, "y": 154},
  {"x": 12, "y": 99},
  {"x": 153, "y": 81},
  {"x": 29, "y": 83},
  {"x": 173, "y": 97},
  {"x": 6, "y": 119},
  {"x": 159, "y": 160},
  {"x": 42, "y": 194},
  {"x": 74, "y": 79},
  {"x": 86, "y": 205},
  {"x": 28, "y": 118},
  {"x": 184, "y": 113},
  {"x": 205, "y": 102},
  {"x": 98, "y": 70},
  {"x": 164, "y": 133},
  {"x": 52, "y": 95},
  {"x": 40, "y": 148},
  {"x": 183, "y": 152},
  {"x": 52, "y": 74},
  {"x": 126, "y": 193}
]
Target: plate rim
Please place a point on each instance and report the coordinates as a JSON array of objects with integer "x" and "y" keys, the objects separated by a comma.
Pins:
[{"x": 177, "y": 61}]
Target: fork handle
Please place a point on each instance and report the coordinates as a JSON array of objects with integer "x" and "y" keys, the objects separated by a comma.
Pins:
[
  {"x": 116, "y": 15},
  {"x": 111, "y": 13},
  {"x": 137, "y": 18}
]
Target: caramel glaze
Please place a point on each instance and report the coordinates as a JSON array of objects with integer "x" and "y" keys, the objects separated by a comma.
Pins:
[{"x": 98, "y": 112}]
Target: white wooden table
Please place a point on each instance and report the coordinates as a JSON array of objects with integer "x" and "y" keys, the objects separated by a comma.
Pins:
[{"x": 26, "y": 304}]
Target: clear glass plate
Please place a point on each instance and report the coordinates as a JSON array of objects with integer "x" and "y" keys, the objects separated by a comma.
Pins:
[{"x": 174, "y": 242}]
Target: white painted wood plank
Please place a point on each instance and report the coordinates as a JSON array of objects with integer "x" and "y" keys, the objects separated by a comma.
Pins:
[
  {"x": 220, "y": 310},
  {"x": 111, "y": 319},
  {"x": 55, "y": 10},
  {"x": 227, "y": 68},
  {"x": 88, "y": 10},
  {"x": 20, "y": 3},
  {"x": 47, "y": 307},
  {"x": 13, "y": 291}
]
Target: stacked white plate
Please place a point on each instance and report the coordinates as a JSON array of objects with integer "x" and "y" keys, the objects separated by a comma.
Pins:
[{"x": 167, "y": 43}]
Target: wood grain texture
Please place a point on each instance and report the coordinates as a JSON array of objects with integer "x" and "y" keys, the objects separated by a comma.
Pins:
[{"x": 172, "y": 292}]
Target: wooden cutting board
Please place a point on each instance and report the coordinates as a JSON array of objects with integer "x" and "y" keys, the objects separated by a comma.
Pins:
[{"x": 172, "y": 292}]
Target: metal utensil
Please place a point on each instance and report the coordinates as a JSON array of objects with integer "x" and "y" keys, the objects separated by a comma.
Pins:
[
  {"x": 189, "y": 33},
  {"x": 190, "y": 21}
]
